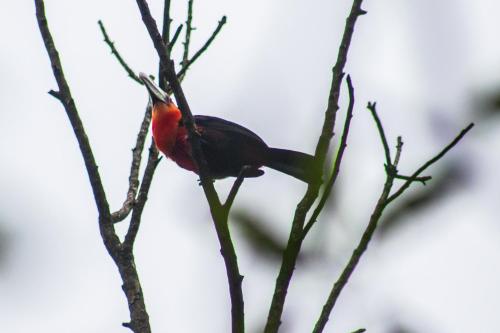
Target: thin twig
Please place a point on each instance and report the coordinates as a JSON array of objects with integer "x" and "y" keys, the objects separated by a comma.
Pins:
[
  {"x": 177, "y": 33},
  {"x": 133, "y": 228},
  {"x": 133, "y": 178},
  {"x": 433, "y": 160},
  {"x": 422, "y": 179},
  {"x": 166, "y": 22},
  {"x": 165, "y": 34},
  {"x": 205, "y": 46},
  {"x": 337, "y": 75},
  {"x": 220, "y": 219},
  {"x": 373, "y": 109},
  {"x": 338, "y": 160},
  {"x": 117, "y": 55},
  {"x": 399, "y": 150},
  {"x": 295, "y": 239},
  {"x": 189, "y": 29}
]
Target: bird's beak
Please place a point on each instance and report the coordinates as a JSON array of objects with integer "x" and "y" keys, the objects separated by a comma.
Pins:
[{"x": 157, "y": 95}]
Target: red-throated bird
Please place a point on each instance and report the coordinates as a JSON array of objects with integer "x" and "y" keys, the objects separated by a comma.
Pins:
[{"x": 227, "y": 147}]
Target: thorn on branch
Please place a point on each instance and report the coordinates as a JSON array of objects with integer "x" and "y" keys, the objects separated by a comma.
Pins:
[
  {"x": 361, "y": 330},
  {"x": 361, "y": 12},
  {"x": 55, "y": 94}
]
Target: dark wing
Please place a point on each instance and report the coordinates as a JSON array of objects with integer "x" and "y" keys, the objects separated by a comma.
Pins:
[
  {"x": 228, "y": 146},
  {"x": 227, "y": 127}
]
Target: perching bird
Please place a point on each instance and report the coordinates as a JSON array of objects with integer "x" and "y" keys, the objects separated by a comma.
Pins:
[{"x": 227, "y": 147}]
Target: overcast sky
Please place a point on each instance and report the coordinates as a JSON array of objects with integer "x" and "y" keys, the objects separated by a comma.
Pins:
[{"x": 425, "y": 63}]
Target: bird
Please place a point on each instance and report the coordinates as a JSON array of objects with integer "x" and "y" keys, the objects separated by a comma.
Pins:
[{"x": 230, "y": 150}]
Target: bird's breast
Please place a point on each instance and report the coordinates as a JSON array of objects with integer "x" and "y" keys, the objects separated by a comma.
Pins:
[{"x": 165, "y": 124}]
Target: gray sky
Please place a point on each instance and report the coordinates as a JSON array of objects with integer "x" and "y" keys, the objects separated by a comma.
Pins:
[{"x": 269, "y": 70}]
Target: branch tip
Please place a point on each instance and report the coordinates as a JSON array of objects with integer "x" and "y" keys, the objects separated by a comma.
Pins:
[
  {"x": 117, "y": 54},
  {"x": 361, "y": 12}
]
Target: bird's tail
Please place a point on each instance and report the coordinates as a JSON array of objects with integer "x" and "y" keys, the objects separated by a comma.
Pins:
[{"x": 294, "y": 163}]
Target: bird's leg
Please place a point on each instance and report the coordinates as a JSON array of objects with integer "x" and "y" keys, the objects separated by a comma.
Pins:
[{"x": 199, "y": 181}]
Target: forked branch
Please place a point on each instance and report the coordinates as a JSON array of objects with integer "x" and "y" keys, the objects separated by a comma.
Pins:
[
  {"x": 384, "y": 199},
  {"x": 295, "y": 239}
]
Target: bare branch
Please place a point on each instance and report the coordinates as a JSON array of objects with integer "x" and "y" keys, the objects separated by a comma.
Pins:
[
  {"x": 384, "y": 199},
  {"x": 295, "y": 239},
  {"x": 362, "y": 245},
  {"x": 189, "y": 29},
  {"x": 165, "y": 34},
  {"x": 373, "y": 109},
  {"x": 139, "y": 322},
  {"x": 337, "y": 75},
  {"x": 133, "y": 178},
  {"x": 337, "y": 163},
  {"x": 433, "y": 160},
  {"x": 399, "y": 150},
  {"x": 205, "y": 46},
  {"x": 117, "y": 55},
  {"x": 133, "y": 228},
  {"x": 166, "y": 22},
  {"x": 64, "y": 95},
  {"x": 177, "y": 33},
  {"x": 422, "y": 180}
]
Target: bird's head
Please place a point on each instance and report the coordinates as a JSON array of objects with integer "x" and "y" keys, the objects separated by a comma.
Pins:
[
  {"x": 162, "y": 104},
  {"x": 156, "y": 93}
]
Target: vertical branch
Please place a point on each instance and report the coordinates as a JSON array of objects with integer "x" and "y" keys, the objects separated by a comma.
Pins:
[
  {"x": 124, "y": 261},
  {"x": 337, "y": 75},
  {"x": 338, "y": 160},
  {"x": 216, "y": 209},
  {"x": 166, "y": 40},
  {"x": 135, "y": 221},
  {"x": 295, "y": 239},
  {"x": 176, "y": 35},
  {"x": 65, "y": 97},
  {"x": 166, "y": 23},
  {"x": 189, "y": 29},
  {"x": 133, "y": 178}
]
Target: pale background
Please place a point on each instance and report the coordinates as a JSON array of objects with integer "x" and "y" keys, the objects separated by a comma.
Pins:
[{"x": 428, "y": 64}]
